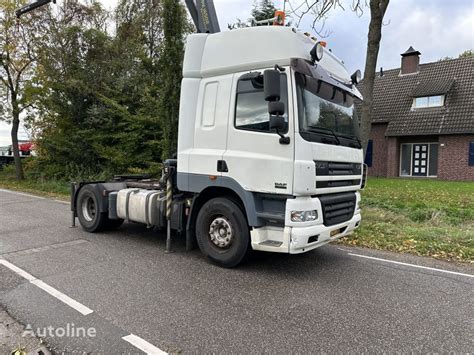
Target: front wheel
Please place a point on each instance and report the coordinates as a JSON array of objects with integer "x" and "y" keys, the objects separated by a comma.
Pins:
[{"x": 222, "y": 232}]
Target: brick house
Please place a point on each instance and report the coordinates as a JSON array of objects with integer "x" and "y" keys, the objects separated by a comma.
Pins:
[{"x": 423, "y": 120}]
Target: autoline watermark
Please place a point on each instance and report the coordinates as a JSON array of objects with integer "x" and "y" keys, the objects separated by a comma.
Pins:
[{"x": 69, "y": 331}]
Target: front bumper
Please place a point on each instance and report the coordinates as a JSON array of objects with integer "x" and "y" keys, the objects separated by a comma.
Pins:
[
  {"x": 300, "y": 241},
  {"x": 296, "y": 238}
]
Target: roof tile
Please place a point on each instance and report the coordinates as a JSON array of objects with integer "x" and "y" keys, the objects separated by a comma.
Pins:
[{"x": 394, "y": 93}]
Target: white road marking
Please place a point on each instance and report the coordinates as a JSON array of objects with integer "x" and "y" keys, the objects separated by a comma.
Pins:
[
  {"x": 45, "y": 287},
  {"x": 22, "y": 194},
  {"x": 19, "y": 271},
  {"x": 143, "y": 345},
  {"x": 62, "y": 297},
  {"x": 45, "y": 248},
  {"x": 34, "y": 196},
  {"x": 412, "y": 265},
  {"x": 63, "y": 202}
]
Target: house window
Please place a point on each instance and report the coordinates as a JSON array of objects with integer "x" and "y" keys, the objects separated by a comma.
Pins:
[
  {"x": 419, "y": 159},
  {"x": 369, "y": 153},
  {"x": 471, "y": 154},
  {"x": 251, "y": 112},
  {"x": 428, "y": 101}
]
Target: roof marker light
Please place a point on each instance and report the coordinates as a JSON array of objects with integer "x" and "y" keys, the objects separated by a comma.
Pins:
[
  {"x": 356, "y": 77},
  {"x": 279, "y": 18},
  {"x": 317, "y": 52}
]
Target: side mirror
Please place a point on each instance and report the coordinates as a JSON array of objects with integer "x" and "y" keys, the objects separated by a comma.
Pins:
[
  {"x": 277, "y": 123},
  {"x": 271, "y": 85},
  {"x": 276, "y": 108}
]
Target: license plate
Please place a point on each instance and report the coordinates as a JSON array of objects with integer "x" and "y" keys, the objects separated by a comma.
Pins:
[{"x": 336, "y": 232}]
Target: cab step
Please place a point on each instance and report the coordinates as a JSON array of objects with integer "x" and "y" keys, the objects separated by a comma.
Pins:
[{"x": 271, "y": 243}]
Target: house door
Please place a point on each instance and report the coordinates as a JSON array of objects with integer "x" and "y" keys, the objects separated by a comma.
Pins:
[{"x": 420, "y": 160}]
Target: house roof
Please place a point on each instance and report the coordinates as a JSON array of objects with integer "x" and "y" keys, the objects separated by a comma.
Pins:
[{"x": 394, "y": 93}]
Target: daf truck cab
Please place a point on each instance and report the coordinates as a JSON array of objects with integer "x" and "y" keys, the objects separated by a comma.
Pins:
[{"x": 268, "y": 155}]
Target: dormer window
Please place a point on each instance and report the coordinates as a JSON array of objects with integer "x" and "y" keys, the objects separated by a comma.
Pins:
[{"x": 428, "y": 101}]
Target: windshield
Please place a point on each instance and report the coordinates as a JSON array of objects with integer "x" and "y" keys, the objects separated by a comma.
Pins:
[{"x": 326, "y": 114}]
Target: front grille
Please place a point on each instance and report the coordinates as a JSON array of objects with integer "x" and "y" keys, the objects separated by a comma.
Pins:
[
  {"x": 336, "y": 183},
  {"x": 328, "y": 168},
  {"x": 337, "y": 208}
]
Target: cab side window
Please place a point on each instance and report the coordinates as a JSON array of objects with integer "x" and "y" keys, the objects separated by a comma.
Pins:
[{"x": 251, "y": 111}]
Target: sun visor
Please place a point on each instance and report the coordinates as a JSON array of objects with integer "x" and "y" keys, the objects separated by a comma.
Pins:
[{"x": 317, "y": 72}]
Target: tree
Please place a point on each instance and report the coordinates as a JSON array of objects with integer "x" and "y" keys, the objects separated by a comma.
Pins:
[
  {"x": 263, "y": 10},
  {"x": 99, "y": 102},
  {"x": 377, "y": 13},
  {"x": 320, "y": 9},
  {"x": 175, "y": 27},
  {"x": 466, "y": 54},
  {"x": 19, "y": 42}
]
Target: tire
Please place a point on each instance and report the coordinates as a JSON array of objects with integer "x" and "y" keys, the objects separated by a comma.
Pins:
[
  {"x": 87, "y": 207},
  {"x": 222, "y": 232}
]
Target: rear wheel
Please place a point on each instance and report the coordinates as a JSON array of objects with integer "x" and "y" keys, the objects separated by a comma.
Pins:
[
  {"x": 222, "y": 232},
  {"x": 88, "y": 211}
]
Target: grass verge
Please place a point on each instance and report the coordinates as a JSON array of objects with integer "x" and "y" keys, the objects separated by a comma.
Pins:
[
  {"x": 54, "y": 189},
  {"x": 423, "y": 217}
]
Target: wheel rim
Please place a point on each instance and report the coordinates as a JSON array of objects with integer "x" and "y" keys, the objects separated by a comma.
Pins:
[
  {"x": 89, "y": 209},
  {"x": 221, "y": 233}
]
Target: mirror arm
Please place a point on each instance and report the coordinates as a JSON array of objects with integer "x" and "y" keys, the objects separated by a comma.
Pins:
[{"x": 283, "y": 139}]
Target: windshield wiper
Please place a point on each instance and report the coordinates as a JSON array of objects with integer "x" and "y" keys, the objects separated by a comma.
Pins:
[
  {"x": 319, "y": 129},
  {"x": 353, "y": 136},
  {"x": 357, "y": 139}
]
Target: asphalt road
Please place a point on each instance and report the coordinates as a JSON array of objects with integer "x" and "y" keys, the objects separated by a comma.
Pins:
[{"x": 330, "y": 300}]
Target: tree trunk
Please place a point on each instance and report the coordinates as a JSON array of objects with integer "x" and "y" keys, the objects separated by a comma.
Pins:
[
  {"x": 377, "y": 12},
  {"x": 14, "y": 135}
]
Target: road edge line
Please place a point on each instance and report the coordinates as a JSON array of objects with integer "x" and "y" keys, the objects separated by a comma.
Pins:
[
  {"x": 47, "y": 288},
  {"x": 143, "y": 345},
  {"x": 17, "y": 270},
  {"x": 62, "y": 297},
  {"x": 412, "y": 265},
  {"x": 27, "y": 194}
]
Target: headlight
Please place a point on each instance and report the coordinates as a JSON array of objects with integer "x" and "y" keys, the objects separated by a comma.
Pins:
[{"x": 304, "y": 216}]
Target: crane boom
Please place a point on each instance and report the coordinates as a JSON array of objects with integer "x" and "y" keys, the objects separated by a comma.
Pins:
[
  {"x": 204, "y": 15},
  {"x": 30, "y": 7}
]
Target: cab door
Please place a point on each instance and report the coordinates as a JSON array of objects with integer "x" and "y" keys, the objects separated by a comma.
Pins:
[
  {"x": 210, "y": 131},
  {"x": 255, "y": 158}
]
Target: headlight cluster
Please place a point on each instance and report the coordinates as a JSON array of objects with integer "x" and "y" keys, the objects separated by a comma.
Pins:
[{"x": 304, "y": 216}]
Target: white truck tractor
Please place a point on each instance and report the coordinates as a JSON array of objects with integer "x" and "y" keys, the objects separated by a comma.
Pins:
[{"x": 268, "y": 154}]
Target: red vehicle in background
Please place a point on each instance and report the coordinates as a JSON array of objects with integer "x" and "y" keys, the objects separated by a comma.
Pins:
[{"x": 25, "y": 148}]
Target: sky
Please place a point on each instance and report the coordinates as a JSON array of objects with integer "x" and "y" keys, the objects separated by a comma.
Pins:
[{"x": 436, "y": 28}]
